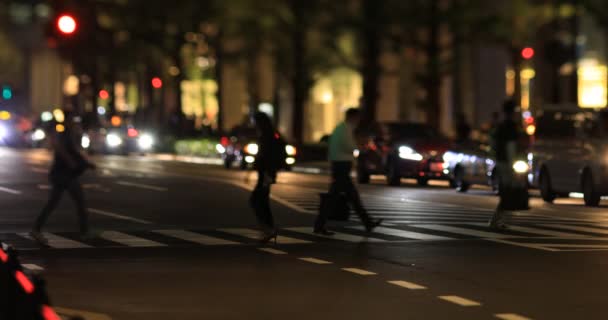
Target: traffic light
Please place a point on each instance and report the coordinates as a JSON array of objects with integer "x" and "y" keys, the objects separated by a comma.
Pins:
[
  {"x": 157, "y": 83},
  {"x": 7, "y": 93},
  {"x": 66, "y": 24},
  {"x": 527, "y": 53},
  {"x": 104, "y": 94}
]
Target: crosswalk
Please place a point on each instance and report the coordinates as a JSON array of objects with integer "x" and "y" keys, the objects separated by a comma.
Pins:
[{"x": 547, "y": 237}]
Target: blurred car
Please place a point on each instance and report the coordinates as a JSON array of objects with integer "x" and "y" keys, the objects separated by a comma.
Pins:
[
  {"x": 241, "y": 148},
  {"x": 469, "y": 164},
  {"x": 117, "y": 140},
  {"x": 569, "y": 154},
  {"x": 402, "y": 150}
]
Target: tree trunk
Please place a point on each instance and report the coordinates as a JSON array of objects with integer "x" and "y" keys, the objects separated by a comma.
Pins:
[
  {"x": 433, "y": 81},
  {"x": 299, "y": 80},
  {"x": 371, "y": 63}
]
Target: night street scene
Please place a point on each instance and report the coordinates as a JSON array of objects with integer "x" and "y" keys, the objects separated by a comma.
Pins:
[{"x": 303, "y": 159}]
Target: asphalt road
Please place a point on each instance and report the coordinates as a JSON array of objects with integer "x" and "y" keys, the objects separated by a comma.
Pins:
[{"x": 178, "y": 240}]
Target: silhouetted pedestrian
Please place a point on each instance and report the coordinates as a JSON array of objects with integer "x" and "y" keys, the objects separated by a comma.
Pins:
[
  {"x": 341, "y": 147},
  {"x": 269, "y": 159},
  {"x": 68, "y": 165}
]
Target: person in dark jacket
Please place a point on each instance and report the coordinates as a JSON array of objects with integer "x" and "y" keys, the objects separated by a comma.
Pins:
[
  {"x": 266, "y": 168},
  {"x": 68, "y": 165}
]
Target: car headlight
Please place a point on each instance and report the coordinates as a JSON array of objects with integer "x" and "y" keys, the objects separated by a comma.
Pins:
[
  {"x": 520, "y": 166},
  {"x": 85, "y": 141},
  {"x": 252, "y": 149},
  {"x": 38, "y": 135},
  {"x": 291, "y": 150},
  {"x": 408, "y": 153},
  {"x": 145, "y": 141},
  {"x": 356, "y": 153},
  {"x": 113, "y": 140},
  {"x": 220, "y": 148},
  {"x": 290, "y": 161}
]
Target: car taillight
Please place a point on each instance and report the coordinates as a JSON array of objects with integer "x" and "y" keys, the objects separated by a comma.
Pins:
[
  {"x": 224, "y": 141},
  {"x": 132, "y": 132}
]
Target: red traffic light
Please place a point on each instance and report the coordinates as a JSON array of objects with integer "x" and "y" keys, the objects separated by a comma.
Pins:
[
  {"x": 527, "y": 53},
  {"x": 66, "y": 24},
  {"x": 104, "y": 94},
  {"x": 157, "y": 83}
]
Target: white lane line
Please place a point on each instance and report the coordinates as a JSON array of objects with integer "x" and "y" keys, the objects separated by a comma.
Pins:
[
  {"x": 532, "y": 230},
  {"x": 142, "y": 186},
  {"x": 195, "y": 237},
  {"x": 118, "y": 216},
  {"x": 337, "y": 235},
  {"x": 463, "y": 302},
  {"x": 407, "y": 285},
  {"x": 405, "y": 234},
  {"x": 129, "y": 240},
  {"x": 315, "y": 260},
  {"x": 58, "y": 242},
  {"x": 9, "y": 190},
  {"x": 66, "y": 313},
  {"x": 32, "y": 267},
  {"x": 360, "y": 272},
  {"x": 273, "y": 251},
  {"x": 510, "y": 316},
  {"x": 465, "y": 231},
  {"x": 577, "y": 228},
  {"x": 537, "y": 246},
  {"x": 255, "y": 235},
  {"x": 568, "y": 245}
]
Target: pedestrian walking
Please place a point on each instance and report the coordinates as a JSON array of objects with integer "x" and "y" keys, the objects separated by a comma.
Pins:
[
  {"x": 68, "y": 165},
  {"x": 341, "y": 147},
  {"x": 270, "y": 158},
  {"x": 508, "y": 144}
]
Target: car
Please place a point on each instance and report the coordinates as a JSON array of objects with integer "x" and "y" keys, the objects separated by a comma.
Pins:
[
  {"x": 402, "y": 150},
  {"x": 241, "y": 147},
  {"x": 470, "y": 163},
  {"x": 569, "y": 155},
  {"x": 117, "y": 140}
]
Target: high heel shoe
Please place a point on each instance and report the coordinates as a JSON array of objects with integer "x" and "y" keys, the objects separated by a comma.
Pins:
[{"x": 267, "y": 237}]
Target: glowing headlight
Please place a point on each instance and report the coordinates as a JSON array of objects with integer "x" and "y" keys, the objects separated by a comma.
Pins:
[
  {"x": 85, "y": 141},
  {"x": 356, "y": 153},
  {"x": 3, "y": 132},
  {"x": 38, "y": 135},
  {"x": 220, "y": 148},
  {"x": 290, "y": 150},
  {"x": 520, "y": 166},
  {"x": 113, "y": 140},
  {"x": 252, "y": 149},
  {"x": 408, "y": 153},
  {"x": 249, "y": 159},
  {"x": 290, "y": 161},
  {"x": 145, "y": 141}
]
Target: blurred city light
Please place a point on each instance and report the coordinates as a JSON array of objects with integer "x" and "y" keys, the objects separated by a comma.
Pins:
[
  {"x": 527, "y": 53},
  {"x": 5, "y": 115},
  {"x": 7, "y": 93},
  {"x": 157, "y": 83},
  {"x": 592, "y": 83},
  {"x": 58, "y": 115},
  {"x": 38, "y": 135},
  {"x": 46, "y": 116},
  {"x": 66, "y": 24},
  {"x": 101, "y": 110},
  {"x": 104, "y": 94},
  {"x": 116, "y": 121},
  {"x": 59, "y": 128}
]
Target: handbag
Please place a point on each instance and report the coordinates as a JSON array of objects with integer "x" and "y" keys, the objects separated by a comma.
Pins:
[{"x": 334, "y": 206}]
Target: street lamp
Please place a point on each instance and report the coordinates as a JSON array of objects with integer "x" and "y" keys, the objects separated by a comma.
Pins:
[{"x": 66, "y": 24}]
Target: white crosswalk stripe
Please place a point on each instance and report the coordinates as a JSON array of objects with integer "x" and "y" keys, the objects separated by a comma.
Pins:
[
  {"x": 339, "y": 236},
  {"x": 195, "y": 237},
  {"x": 255, "y": 235},
  {"x": 406, "y": 234},
  {"x": 129, "y": 240},
  {"x": 58, "y": 242}
]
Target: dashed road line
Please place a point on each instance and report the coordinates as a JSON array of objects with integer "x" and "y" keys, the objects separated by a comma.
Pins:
[
  {"x": 129, "y": 240},
  {"x": 463, "y": 302},
  {"x": 273, "y": 251},
  {"x": 196, "y": 237},
  {"x": 32, "y": 267},
  {"x": 360, "y": 272},
  {"x": 142, "y": 186},
  {"x": 407, "y": 285},
  {"x": 118, "y": 216},
  {"x": 510, "y": 316},
  {"x": 9, "y": 190},
  {"x": 315, "y": 260}
]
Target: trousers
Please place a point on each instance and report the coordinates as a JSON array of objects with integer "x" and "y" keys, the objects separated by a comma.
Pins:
[{"x": 74, "y": 189}]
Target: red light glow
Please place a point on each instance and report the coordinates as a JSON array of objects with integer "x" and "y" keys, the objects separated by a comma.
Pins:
[
  {"x": 66, "y": 24},
  {"x": 224, "y": 141},
  {"x": 3, "y": 256},
  {"x": 104, "y": 94},
  {"x": 25, "y": 283},
  {"x": 157, "y": 83},
  {"x": 48, "y": 313},
  {"x": 132, "y": 132},
  {"x": 529, "y": 120},
  {"x": 527, "y": 53}
]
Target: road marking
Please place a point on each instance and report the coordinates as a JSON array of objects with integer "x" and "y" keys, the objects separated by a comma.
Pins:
[
  {"x": 567, "y": 245},
  {"x": 81, "y": 314},
  {"x": 407, "y": 285},
  {"x": 535, "y": 231},
  {"x": 465, "y": 231},
  {"x": 58, "y": 242},
  {"x": 44, "y": 187},
  {"x": 273, "y": 251},
  {"x": 129, "y": 240},
  {"x": 196, "y": 237},
  {"x": 32, "y": 267},
  {"x": 510, "y": 316},
  {"x": 463, "y": 302},
  {"x": 359, "y": 271},
  {"x": 577, "y": 228},
  {"x": 255, "y": 235},
  {"x": 9, "y": 190},
  {"x": 315, "y": 260},
  {"x": 118, "y": 216},
  {"x": 142, "y": 186},
  {"x": 405, "y": 234},
  {"x": 337, "y": 235},
  {"x": 537, "y": 246}
]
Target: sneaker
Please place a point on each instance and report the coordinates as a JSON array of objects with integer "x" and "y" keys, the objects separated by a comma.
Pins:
[
  {"x": 38, "y": 237},
  {"x": 370, "y": 226}
]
